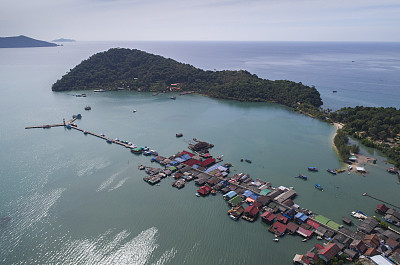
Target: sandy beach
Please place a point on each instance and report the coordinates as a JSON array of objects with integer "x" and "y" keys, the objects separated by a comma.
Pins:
[{"x": 361, "y": 159}]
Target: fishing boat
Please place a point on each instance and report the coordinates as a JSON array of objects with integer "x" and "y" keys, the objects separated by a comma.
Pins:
[
  {"x": 319, "y": 187},
  {"x": 147, "y": 153},
  {"x": 179, "y": 134},
  {"x": 248, "y": 161},
  {"x": 88, "y": 108},
  {"x": 134, "y": 111},
  {"x": 173, "y": 97},
  {"x": 313, "y": 169},
  {"x": 155, "y": 94},
  {"x": 136, "y": 150},
  {"x": 392, "y": 170},
  {"x": 358, "y": 215},
  {"x": 332, "y": 171},
  {"x": 109, "y": 141},
  {"x": 301, "y": 176}
]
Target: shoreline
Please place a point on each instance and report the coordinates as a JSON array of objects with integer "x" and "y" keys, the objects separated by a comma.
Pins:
[
  {"x": 337, "y": 126},
  {"x": 362, "y": 160}
]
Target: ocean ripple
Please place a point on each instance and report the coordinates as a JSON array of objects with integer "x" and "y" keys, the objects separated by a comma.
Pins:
[{"x": 115, "y": 250}]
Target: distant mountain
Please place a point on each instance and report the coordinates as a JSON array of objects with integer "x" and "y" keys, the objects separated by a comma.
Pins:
[
  {"x": 63, "y": 40},
  {"x": 23, "y": 42}
]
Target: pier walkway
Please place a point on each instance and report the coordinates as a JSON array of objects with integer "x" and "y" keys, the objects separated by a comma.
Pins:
[{"x": 116, "y": 141}]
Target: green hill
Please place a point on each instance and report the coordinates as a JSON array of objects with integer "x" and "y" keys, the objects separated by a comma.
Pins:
[
  {"x": 23, "y": 42},
  {"x": 138, "y": 70}
]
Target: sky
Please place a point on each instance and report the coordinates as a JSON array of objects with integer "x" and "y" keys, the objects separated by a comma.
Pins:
[{"x": 203, "y": 20}]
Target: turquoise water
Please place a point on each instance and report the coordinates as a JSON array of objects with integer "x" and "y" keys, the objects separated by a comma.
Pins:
[{"x": 74, "y": 199}]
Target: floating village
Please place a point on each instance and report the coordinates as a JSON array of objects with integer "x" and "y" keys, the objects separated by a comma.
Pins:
[{"x": 256, "y": 200}]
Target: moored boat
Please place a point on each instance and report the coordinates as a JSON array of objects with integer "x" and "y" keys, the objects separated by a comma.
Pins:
[
  {"x": 173, "y": 97},
  {"x": 392, "y": 170},
  {"x": 319, "y": 187},
  {"x": 313, "y": 169},
  {"x": 332, "y": 171},
  {"x": 301, "y": 176}
]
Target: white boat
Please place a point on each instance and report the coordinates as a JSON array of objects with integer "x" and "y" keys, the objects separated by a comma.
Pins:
[
  {"x": 358, "y": 215},
  {"x": 99, "y": 90},
  {"x": 275, "y": 239}
]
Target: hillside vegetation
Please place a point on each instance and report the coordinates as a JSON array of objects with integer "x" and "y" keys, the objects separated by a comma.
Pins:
[{"x": 138, "y": 70}]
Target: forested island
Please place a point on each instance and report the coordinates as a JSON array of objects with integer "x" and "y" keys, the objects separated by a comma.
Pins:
[
  {"x": 140, "y": 71},
  {"x": 23, "y": 42},
  {"x": 64, "y": 40}
]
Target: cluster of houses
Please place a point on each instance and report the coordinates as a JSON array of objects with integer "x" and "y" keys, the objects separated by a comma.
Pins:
[
  {"x": 370, "y": 244},
  {"x": 390, "y": 215},
  {"x": 251, "y": 199}
]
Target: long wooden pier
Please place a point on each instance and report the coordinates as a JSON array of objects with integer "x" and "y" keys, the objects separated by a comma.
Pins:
[
  {"x": 367, "y": 195},
  {"x": 47, "y": 126},
  {"x": 69, "y": 125}
]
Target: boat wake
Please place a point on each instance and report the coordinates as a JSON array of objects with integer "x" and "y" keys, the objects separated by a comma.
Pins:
[
  {"x": 88, "y": 167},
  {"x": 119, "y": 184},
  {"x": 107, "y": 184}
]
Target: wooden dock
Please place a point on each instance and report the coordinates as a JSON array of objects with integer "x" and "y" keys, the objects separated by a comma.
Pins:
[
  {"x": 367, "y": 195},
  {"x": 48, "y": 126}
]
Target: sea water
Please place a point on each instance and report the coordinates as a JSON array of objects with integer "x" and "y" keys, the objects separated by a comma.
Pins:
[{"x": 74, "y": 199}]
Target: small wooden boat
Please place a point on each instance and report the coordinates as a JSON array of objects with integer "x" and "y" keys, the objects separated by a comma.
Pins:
[
  {"x": 301, "y": 176},
  {"x": 319, "y": 187},
  {"x": 333, "y": 172},
  {"x": 88, "y": 108}
]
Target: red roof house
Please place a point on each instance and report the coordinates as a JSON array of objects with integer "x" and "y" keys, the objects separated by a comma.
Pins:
[
  {"x": 251, "y": 211},
  {"x": 208, "y": 162},
  {"x": 204, "y": 190},
  {"x": 312, "y": 256},
  {"x": 359, "y": 246},
  {"x": 282, "y": 219},
  {"x": 292, "y": 227},
  {"x": 371, "y": 241},
  {"x": 192, "y": 162},
  {"x": 313, "y": 223},
  {"x": 328, "y": 252},
  {"x": 278, "y": 228},
  {"x": 268, "y": 217},
  {"x": 371, "y": 252},
  {"x": 381, "y": 209},
  {"x": 303, "y": 232}
]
